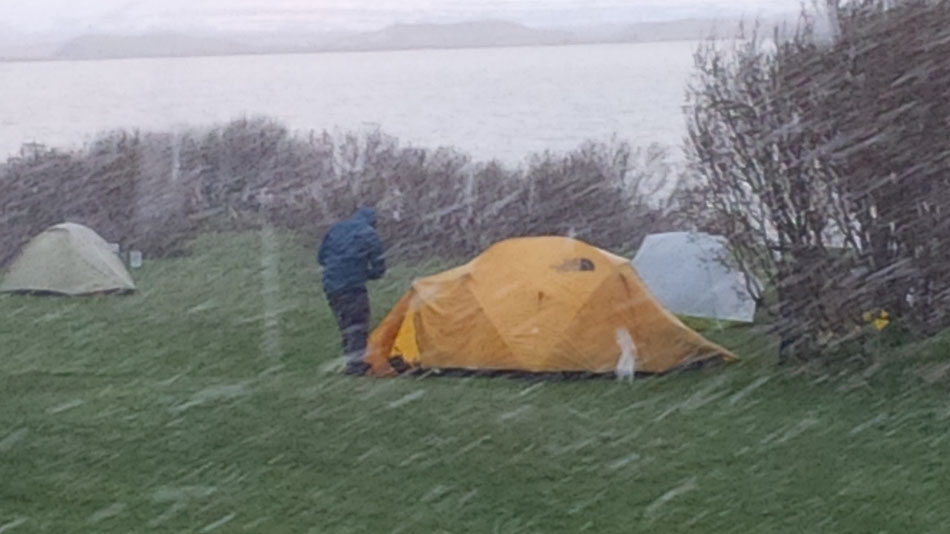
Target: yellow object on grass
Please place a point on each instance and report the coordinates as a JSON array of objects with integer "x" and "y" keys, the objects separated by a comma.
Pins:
[{"x": 879, "y": 322}]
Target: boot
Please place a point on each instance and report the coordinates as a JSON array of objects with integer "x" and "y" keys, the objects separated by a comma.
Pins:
[{"x": 356, "y": 368}]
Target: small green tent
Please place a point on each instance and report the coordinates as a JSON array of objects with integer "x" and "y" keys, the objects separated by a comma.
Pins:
[{"x": 68, "y": 259}]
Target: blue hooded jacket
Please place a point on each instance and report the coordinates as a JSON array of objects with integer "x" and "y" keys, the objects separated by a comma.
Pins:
[{"x": 352, "y": 253}]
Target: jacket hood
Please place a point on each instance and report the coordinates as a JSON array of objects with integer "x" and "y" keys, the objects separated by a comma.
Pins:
[{"x": 367, "y": 215}]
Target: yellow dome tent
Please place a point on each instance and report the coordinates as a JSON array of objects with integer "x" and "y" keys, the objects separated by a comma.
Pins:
[
  {"x": 67, "y": 259},
  {"x": 539, "y": 304}
]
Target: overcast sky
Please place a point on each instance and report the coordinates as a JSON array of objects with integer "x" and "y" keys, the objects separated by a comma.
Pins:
[{"x": 84, "y": 16}]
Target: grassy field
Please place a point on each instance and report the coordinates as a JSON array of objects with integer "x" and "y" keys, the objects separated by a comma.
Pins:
[{"x": 208, "y": 402}]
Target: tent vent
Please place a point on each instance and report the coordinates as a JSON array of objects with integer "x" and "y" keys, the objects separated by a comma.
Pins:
[{"x": 576, "y": 265}]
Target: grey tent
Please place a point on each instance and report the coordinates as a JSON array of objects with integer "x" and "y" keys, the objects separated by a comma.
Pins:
[
  {"x": 693, "y": 274},
  {"x": 67, "y": 259}
]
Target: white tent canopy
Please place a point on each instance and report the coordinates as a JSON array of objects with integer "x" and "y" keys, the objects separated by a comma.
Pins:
[{"x": 692, "y": 274}]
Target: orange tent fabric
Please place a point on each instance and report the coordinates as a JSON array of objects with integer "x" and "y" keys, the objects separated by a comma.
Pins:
[{"x": 538, "y": 304}]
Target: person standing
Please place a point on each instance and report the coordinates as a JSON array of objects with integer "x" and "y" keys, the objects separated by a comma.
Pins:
[{"x": 352, "y": 254}]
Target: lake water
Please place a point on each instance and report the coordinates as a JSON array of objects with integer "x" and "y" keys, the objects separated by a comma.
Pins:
[{"x": 493, "y": 103}]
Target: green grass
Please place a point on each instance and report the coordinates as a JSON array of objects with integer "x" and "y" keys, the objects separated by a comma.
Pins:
[{"x": 167, "y": 411}]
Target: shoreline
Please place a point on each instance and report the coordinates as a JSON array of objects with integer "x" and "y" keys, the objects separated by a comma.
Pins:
[{"x": 320, "y": 51}]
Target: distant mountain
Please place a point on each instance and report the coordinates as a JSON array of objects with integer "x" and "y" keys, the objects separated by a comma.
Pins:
[
  {"x": 148, "y": 45},
  {"x": 694, "y": 29},
  {"x": 18, "y": 45},
  {"x": 473, "y": 34},
  {"x": 400, "y": 36},
  {"x": 691, "y": 29},
  {"x": 677, "y": 30},
  {"x": 458, "y": 35}
]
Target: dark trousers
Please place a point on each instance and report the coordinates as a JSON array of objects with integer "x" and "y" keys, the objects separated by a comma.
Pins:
[{"x": 351, "y": 308}]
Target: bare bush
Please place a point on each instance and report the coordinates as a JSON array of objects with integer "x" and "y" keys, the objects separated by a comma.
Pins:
[
  {"x": 43, "y": 187},
  {"x": 823, "y": 163},
  {"x": 155, "y": 191}
]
